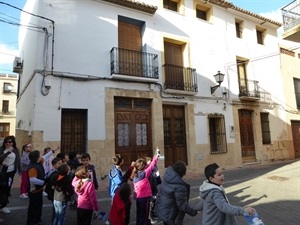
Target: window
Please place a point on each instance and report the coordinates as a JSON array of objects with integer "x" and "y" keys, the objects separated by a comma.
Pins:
[
  {"x": 238, "y": 28},
  {"x": 242, "y": 76},
  {"x": 5, "y": 106},
  {"x": 297, "y": 91},
  {"x": 203, "y": 12},
  {"x": 7, "y": 87},
  {"x": 260, "y": 35},
  {"x": 217, "y": 134},
  {"x": 171, "y": 5},
  {"x": 265, "y": 128}
]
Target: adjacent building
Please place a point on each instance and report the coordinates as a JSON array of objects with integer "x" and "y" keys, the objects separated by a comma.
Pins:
[{"x": 201, "y": 80}]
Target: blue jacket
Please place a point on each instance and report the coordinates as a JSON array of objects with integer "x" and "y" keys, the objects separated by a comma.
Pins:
[{"x": 115, "y": 180}]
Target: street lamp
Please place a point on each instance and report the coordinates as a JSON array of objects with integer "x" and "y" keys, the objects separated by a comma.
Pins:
[{"x": 219, "y": 79}]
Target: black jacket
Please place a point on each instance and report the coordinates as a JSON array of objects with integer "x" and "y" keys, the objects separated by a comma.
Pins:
[{"x": 172, "y": 199}]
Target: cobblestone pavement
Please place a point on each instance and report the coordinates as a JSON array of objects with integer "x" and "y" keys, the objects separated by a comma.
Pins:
[{"x": 273, "y": 189}]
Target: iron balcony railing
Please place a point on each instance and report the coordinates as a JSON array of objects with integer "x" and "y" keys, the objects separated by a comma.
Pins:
[
  {"x": 291, "y": 15},
  {"x": 133, "y": 63},
  {"x": 180, "y": 78},
  {"x": 249, "y": 88}
]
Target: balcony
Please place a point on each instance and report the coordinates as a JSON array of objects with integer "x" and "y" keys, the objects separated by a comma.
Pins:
[
  {"x": 291, "y": 21},
  {"x": 249, "y": 90},
  {"x": 180, "y": 80},
  {"x": 133, "y": 65}
]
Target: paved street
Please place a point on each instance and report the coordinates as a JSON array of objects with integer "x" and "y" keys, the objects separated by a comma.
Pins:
[{"x": 272, "y": 189}]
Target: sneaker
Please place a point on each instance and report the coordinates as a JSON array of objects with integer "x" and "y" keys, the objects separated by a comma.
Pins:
[
  {"x": 1, "y": 220},
  {"x": 45, "y": 194},
  {"x": 5, "y": 210},
  {"x": 23, "y": 195},
  {"x": 107, "y": 222},
  {"x": 40, "y": 222},
  {"x": 153, "y": 221}
]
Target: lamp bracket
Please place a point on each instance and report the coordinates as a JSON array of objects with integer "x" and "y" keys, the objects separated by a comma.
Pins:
[{"x": 214, "y": 88}]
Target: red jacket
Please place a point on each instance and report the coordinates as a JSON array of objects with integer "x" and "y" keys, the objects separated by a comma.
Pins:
[{"x": 120, "y": 211}]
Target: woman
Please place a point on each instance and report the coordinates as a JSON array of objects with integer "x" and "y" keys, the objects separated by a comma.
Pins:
[{"x": 11, "y": 164}]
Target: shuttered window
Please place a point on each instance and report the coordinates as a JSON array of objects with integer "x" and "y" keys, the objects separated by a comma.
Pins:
[{"x": 130, "y": 36}]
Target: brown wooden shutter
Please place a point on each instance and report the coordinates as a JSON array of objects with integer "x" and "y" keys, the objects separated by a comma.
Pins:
[{"x": 130, "y": 36}]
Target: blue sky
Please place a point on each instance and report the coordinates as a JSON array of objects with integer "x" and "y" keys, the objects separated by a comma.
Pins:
[{"x": 9, "y": 33}]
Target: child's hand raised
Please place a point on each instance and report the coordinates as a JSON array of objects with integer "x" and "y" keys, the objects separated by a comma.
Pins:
[{"x": 157, "y": 151}]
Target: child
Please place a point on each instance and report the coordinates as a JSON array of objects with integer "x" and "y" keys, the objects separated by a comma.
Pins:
[
  {"x": 36, "y": 176},
  {"x": 62, "y": 193},
  {"x": 85, "y": 160},
  {"x": 142, "y": 188},
  {"x": 115, "y": 174},
  {"x": 26, "y": 149},
  {"x": 215, "y": 206},
  {"x": 154, "y": 180},
  {"x": 47, "y": 160},
  {"x": 87, "y": 198},
  {"x": 120, "y": 209}
]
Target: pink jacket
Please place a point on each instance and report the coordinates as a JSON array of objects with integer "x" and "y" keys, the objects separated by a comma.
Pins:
[{"x": 87, "y": 197}]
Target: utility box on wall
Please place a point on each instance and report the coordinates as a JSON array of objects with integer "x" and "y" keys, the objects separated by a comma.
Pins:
[{"x": 231, "y": 131}]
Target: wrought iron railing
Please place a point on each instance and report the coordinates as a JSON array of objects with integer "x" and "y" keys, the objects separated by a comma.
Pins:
[
  {"x": 249, "y": 88},
  {"x": 291, "y": 15},
  {"x": 133, "y": 63},
  {"x": 180, "y": 78}
]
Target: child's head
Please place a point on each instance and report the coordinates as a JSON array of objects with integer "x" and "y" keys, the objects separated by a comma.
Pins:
[
  {"x": 56, "y": 162},
  {"x": 72, "y": 155},
  {"x": 85, "y": 159},
  {"x": 214, "y": 174},
  {"x": 62, "y": 156},
  {"x": 27, "y": 148},
  {"x": 180, "y": 168},
  {"x": 125, "y": 192},
  {"x": 46, "y": 150},
  {"x": 148, "y": 160},
  {"x": 118, "y": 160},
  {"x": 140, "y": 165},
  {"x": 82, "y": 172},
  {"x": 63, "y": 169},
  {"x": 34, "y": 156}
]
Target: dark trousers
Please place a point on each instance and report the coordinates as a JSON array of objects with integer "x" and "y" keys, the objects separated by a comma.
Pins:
[
  {"x": 142, "y": 211},
  {"x": 35, "y": 207},
  {"x": 9, "y": 176},
  {"x": 84, "y": 216}
]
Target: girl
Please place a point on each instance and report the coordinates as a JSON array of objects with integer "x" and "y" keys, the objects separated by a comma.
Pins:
[
  {"x": 142, "y": 188},
  {"x": 120, "y": 209},
  {"x": 87, "y": 198},
  {"x": 115, "y": 174},
  {"x": 26, "y": 149}
]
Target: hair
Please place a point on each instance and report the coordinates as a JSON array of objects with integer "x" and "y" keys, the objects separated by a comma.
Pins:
[
  {"x": 55, "y": 161},
  {"x": 12, "y": 138},
  {"x": 72, "y": 155},
  {"x": 24, "y": 147},
  {"x": 61, "y": 155},
  {"x": 210, "y": 170},
  {"x": 81, "y": 172},
  {"x": 86, "y": 156},
  {"x": 180, "y": 168},
  {"x": 125, "y": 192},
  {"x": 34, "y": 156},
  {"x": 140, "y": 165},
  {"x": 148, "y": 159},
  {"x": 63, "y": 169},
  {"x": 117, "y": 159},
  {"x": 46, "y": 149}
]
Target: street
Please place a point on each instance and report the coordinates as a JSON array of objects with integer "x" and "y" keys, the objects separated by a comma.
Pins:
[{"x": 273, "y": 189}]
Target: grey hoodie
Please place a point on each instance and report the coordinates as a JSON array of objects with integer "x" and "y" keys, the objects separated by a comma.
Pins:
[{"x": 215, "y": 206}]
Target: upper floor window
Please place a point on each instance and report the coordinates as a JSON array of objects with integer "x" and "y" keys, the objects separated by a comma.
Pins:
[
  {"x": 297, "y": 91},
  {"x": 260, "y": 34},
  {"x": 7, "y": 87},
  {"x": 171, "y": 5},
  {"x": 203, "y": 12},
  {"x": 239, "y": 28},
  {"x": 265, "y": 128},
  {"x": 217, "y": 134},
  {"x": 5, "y": 106}
]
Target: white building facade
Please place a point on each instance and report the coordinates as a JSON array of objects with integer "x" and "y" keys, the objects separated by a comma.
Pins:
[{"x": 108, "y": 77}]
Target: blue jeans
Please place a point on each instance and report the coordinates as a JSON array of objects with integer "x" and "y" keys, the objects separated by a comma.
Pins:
[{"x": 60, "y": 209}]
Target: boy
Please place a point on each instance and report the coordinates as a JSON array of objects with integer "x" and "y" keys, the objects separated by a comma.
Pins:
[
  {"x": 215, "y": 206},
  {"x": 36, "y": 174},
  {"x": 85, "y": 160}
]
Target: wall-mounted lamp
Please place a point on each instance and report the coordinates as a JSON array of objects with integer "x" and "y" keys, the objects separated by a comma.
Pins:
[{"x": 219, "y": 79}]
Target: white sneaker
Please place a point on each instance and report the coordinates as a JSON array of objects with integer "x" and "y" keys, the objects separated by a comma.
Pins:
[
  {"x": 23, "y": 195},
  {"x": 45, "y": 194},
  {"x": 5, "y": 210}
]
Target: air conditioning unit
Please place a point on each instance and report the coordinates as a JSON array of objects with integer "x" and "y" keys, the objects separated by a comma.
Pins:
[{"x": 17, "y": 65}]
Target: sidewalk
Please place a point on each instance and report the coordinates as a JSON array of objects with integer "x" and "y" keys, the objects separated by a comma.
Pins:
[{"x": 272, "y": 189}]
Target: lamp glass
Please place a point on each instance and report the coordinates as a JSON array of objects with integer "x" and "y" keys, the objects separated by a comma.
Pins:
[{"x": 219, "y": 77}]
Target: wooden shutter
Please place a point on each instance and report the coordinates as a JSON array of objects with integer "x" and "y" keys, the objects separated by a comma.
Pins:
[{"x": 130, "y": 36}]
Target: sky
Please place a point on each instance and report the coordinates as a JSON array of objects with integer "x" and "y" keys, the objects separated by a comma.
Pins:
[{"x": 9, "y": 32}]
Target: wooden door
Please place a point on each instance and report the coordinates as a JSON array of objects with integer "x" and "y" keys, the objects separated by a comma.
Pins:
[
  {"x": 246, "y": 135},
  {"x": 174, "y": 134},
  {"x": 133, "y": 138},
  {"x": 173, "y": 66},
  {"x": 4, "y": 130},
  {"x": 296, "y": 137}
]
